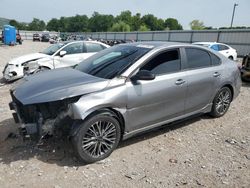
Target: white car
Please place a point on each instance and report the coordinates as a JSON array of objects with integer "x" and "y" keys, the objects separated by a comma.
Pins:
[
  {"x": 58, "y": 55},
  {"x": 224, "y": 49}
]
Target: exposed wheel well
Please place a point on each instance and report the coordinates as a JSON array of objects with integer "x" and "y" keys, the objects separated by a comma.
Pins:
[
  {"x": 44, "y": 67},
  {"x": 231, "y": 89},
  {"x": 110, "y": 111}
]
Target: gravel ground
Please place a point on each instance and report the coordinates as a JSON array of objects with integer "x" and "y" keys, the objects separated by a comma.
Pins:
[{"x": 199, "y": 152}]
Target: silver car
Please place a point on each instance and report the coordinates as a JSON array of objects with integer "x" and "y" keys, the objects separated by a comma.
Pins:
[{"x": 122, "y": 91}]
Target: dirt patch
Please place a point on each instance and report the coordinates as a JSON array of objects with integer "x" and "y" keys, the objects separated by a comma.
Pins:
[{"x": 198, "y": 152}]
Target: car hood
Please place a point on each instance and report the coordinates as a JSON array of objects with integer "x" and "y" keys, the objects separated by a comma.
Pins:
[
  {"x": 27, "y": 58},
  {"x": 56, "y": 85}
]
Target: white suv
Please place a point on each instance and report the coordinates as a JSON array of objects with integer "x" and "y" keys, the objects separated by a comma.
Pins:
[
  {"x": 224, "y": 49},
  {"x": 64, "y": 54}
]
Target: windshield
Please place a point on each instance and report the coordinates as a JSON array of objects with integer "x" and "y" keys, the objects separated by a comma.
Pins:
[
  {"x": 53, "y": 48},
  {"x": 113, "y": 61}
]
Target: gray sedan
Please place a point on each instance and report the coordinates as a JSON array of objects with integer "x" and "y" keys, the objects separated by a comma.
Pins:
[{"x": 122, "y": 91}]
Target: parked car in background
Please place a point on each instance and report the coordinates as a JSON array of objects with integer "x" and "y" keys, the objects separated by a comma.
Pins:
[
  {"x": 54, "y": 39},
  {"x": 45, "y": 37},
  {"x": 122, "y": 91},
  {"x": 224, "y": 49},
  {"x": 58, "y": 55},
  {"x": 245, "y": 68},
  {"x": 36, "y": 37}
]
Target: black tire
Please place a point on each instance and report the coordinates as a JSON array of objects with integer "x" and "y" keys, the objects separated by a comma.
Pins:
[
  {"x": 89, "y": 142},
  {"x": 231, "y": 58},
  {"x": 221, "y": 102}
]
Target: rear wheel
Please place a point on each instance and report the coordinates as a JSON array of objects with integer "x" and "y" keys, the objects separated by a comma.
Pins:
[
  {"x": 221, "y": 102},
  {"x": 97, "y": 138}
]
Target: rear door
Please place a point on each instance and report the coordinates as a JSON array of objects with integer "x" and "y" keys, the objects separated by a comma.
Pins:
[
  {"x": 223, "y": 49},
  {"x": 91, "y": 49},
  {"x": 202, "y": 77}
]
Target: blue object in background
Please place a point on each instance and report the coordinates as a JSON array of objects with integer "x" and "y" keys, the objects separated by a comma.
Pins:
[
  {"x": 215, "y": 47},
  {"x": 9, "y": 33}
]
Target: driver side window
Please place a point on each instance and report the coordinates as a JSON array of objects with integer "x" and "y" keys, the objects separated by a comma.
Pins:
[
  {"x": 163, "y": 63},
  {"x": 74, "y": 48}
]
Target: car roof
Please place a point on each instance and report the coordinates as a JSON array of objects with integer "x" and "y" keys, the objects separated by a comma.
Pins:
[
  {"x": 76, "y": 41},
  {"x": 154, "y": 44},
  {"x": 159, "y": 44},
  {"x": 209, "y": 43}
]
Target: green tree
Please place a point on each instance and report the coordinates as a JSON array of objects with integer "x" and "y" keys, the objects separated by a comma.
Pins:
[
  {"x": 120, "y": 26},
  {"x": 77, "y": 23},
  {"x": 37, "y": 25},
  {"x": 14, "y": 23},
  {"x": 143, "y": 28},
  {"x": 172, "y": 24},
  {"x": 152, "y": 22},
  {"x": 197, "y": 25},
  {"x": 136, "y": 22},
  {"x": 125, "y": 16},
  {"x": 100, "y": 22},
  {"x": 53, "y": 25},
  {"x": 18, "y": 25}
]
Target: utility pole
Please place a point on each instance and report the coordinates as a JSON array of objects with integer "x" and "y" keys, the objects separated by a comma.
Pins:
[{"x": 235, "y": 5}]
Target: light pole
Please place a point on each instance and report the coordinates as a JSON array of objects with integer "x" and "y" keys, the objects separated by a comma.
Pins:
[{"x": 235, "y": 5}]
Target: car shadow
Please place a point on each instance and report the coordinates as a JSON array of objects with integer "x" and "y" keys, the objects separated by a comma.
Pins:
[
  {"x": 4, "y": 82},
  {"x": 60, "y": 151},
  {"x": 245, "y": 84}
]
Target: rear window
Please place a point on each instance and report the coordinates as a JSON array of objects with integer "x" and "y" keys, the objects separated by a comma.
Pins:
[
  {"x": 215, "y": 60},
  {"x": 93, "y": 47},
  {"x": 197, "y": 58}
]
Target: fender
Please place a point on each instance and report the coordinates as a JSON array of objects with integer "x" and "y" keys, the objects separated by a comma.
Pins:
[
  {"x": 47, "y": 64},
  {"x": 114, "y": 98}
]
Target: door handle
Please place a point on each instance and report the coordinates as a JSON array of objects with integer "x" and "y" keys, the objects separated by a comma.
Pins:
[
  {"x": 216, "y": 74},
  {"x": 180, "y": 82}
]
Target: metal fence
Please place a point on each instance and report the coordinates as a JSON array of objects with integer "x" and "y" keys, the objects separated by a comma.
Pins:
[
  {"x": 28, "y": 35},
  {"x": 238, "y": 39}
]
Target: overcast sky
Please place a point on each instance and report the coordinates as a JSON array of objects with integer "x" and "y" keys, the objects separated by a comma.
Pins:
[{"x": 216, "y": 13}]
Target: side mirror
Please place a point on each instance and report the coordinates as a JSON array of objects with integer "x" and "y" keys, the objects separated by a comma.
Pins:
[
  {"x": 143, "y": 75},
  {"x": 62, "y": 53}
]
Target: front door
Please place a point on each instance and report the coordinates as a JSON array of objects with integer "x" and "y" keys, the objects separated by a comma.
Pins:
[
  {"x": 157, "y": 100},
  {"x": 73, "y": 56}
]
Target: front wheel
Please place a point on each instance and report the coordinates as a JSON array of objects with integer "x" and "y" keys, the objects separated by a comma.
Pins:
[
  {"x": 221, "y": 102},
  {"x": 97, "y": 138}
]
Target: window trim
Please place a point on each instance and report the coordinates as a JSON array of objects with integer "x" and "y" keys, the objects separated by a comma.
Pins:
[
  {"x": 223, "y": 46},
  {"x": 186, "y": 58},
  {"x": 62, "y": 49},
  {"x": 92, "y": 43},
  {"x": 158, "y": 53},
  {"x": 213, "y": 65}
]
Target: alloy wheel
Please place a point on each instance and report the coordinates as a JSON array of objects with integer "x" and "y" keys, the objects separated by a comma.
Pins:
[
  {"x": 99, "y": 138},
  {"x": 223, "y": 102}
]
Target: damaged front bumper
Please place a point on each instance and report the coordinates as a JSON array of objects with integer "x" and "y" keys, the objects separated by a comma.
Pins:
[
  {"x": 11, "y": 72},
  {"x": 38, "y": 121}
]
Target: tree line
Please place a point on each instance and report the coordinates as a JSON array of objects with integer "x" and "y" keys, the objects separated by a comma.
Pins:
[{"x": 123, "y": 22}]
